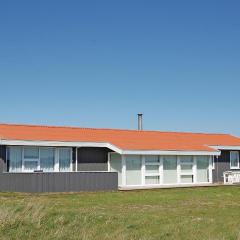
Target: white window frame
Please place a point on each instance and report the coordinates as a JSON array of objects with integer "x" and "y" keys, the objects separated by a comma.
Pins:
[
  {"x": 56, "y": 159},
  {"x": 213, "y": 162},
  {"x": 192, "y": 173},
  {"x": 159, "y": 164},
  {"x": 234, "y": 167}
]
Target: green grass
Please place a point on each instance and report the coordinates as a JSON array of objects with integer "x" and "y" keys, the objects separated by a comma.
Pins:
[{"x": 190, "y": 213}]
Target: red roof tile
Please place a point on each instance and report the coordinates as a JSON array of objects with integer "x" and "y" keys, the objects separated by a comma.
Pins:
[{"x": 123, "y": 139}]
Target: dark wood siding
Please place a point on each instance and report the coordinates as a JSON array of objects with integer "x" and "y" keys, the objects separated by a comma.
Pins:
[
  {"x": 92, "y": 159},
  {"x": 222, "y": 164},
  {"x": 58, "y": 182}
]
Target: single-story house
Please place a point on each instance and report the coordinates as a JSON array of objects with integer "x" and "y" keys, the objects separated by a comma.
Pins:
[{"x": 50, "y": 158}]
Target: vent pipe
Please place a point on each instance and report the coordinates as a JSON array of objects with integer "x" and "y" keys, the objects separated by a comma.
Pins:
[{"x": 140, "y": 121}]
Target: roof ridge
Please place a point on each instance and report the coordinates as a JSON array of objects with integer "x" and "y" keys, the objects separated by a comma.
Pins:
[{"x": 111, "y": 129}]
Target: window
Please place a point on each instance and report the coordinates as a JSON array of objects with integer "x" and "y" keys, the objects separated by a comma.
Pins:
[
  {"x": 14, "y": 157},
  {"x": 152, "y": 179},
  {"x": 170, "y": 169},
  {"x": 234, "y": 159},
  {"x": 152, "y": 160},
  {"x": 64, "y": 159},
  {"x": 47, "y": 159},
  {"x": 30, "y": 159},
  {"x": 152, "y": 169},
  {"x": 186, "y": 163}
]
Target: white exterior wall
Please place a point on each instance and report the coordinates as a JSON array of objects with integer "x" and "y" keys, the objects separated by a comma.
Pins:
[{"x": 139, "y": 170}]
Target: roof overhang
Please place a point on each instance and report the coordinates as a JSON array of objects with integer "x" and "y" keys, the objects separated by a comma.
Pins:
[
  {"x": 107, "y": 145},
  {"x": 196, "y": 153},
  {"x": 219, "y": 147}
]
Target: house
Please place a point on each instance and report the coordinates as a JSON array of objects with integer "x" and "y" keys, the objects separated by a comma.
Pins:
[{"x": 50, "y": 158}]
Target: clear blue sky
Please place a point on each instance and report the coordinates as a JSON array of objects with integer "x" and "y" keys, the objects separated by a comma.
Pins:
[{"x": 99, "y": 63}]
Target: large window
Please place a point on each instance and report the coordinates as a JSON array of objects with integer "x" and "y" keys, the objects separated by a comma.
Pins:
[
  {"x": 47, "y": 159},
  {"x": 234, "y": 159},
  {"x": 14, "y": 157},
  {"x": 64, "y": 159},
  {"x": 30, "y": 159}
]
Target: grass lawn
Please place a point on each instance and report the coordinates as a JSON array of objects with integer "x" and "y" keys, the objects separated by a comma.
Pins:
[{"x": 190, "y": 213}]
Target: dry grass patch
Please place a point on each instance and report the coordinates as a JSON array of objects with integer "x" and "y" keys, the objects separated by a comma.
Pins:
[{"x": 199, "y": 213}]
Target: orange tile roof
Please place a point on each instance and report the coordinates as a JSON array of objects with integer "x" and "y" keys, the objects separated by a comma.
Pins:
[{"x": 123, "y": 139}]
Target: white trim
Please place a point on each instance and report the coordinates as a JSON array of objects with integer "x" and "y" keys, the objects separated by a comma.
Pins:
[
  {"x": 71, "y": 159},
  {"x": 60, "y": 144},
  {"x": 105, "y": 144},
  {"x": 210, "y": 172},
  {"x": 56, "y": 160},
  {"x": 178, "y": 170},
  {"x": 194, "y": 169},
  {"x": 143, "y": 169},
  {"x": 108, "y": 162},
  {"x": 219, "y": 147},
  {"x": 161, "y": 169},
  {"x": 76, "y": 159},
  {"x": 124, "y": 170},
  {"x": 213, "y": 162},
  {"x": 185, "y": 153}
]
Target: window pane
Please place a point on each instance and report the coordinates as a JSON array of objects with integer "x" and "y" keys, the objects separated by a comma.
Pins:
[
  {"x": 31, "y": 152},
  {"x": 186, "y": 179},
  {"x": 30, "y": 165},
  {"x": 152, "y": 180},
  {"x": 169, "y": 162},
  {"x": 202, "y": 162},
  {"x": 64, "y": 159},
  {"x": 47, "y": 159},
  {"x": 15, "y": 159},
  {"x": 151, "y": 159},
  {"x": 186, "y": 159},
  {"x": 186, "y": 167},
  {"x": 152, "y": 169},
  {"x": 234, "y": 158}
]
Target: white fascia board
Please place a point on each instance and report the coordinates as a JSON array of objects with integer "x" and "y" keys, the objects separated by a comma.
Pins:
[
  {"x": 219, "y": 147},
  {"x": 196, "y": 153},
  {"x": 59, "y": 144}
]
